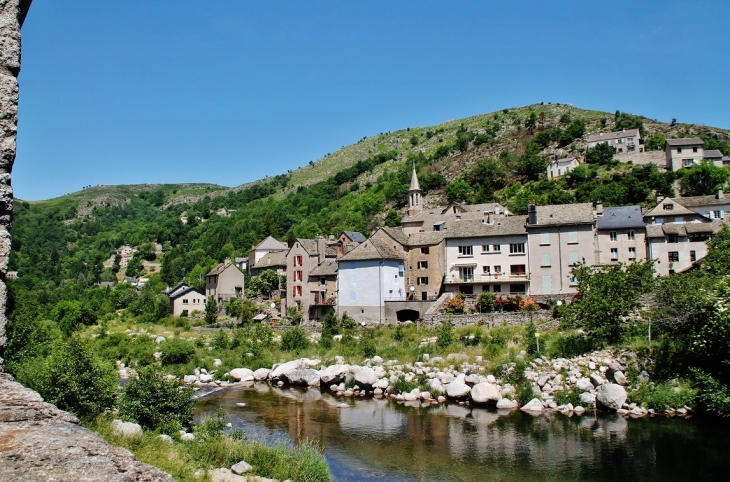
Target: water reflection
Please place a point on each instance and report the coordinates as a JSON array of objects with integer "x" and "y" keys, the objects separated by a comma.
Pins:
[{"x": 376, "y": 439}]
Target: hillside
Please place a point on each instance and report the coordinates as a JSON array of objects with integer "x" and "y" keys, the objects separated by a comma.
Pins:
[{"x": 498, "y": 156}]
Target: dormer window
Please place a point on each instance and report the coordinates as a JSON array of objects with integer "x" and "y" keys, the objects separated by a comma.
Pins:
[
  {"x": 694, "y": 149},
  {"x": 668, "y": 207}
]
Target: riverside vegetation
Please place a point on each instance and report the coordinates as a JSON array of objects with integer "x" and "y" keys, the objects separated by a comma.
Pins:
[{"x": 65, "y": 333}]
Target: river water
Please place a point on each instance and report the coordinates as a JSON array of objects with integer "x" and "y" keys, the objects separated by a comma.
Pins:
[{"x": 381, "y": 440}]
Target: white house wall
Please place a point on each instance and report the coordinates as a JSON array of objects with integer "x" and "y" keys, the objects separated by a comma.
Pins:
[{"x": 364, "y": 286}]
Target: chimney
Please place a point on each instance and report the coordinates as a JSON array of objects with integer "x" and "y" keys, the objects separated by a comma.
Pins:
[
  {"x": 531, "y": 213},
  {"x": 321, "y": 248},
  {"x": 332, "y": 237},
  {"x": 496, "y": 209},
  {"x": 599, "y": 208},
  {"x": 719, "y": 194}
]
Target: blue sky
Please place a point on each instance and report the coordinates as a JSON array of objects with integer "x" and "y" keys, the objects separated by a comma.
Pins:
[{"x": 231, "y": 91}]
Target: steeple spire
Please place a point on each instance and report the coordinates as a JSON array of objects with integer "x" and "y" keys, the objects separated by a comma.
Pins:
[{"x": 414, "y": 195}]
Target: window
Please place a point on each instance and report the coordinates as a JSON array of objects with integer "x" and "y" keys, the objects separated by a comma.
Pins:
[
  {"x": 717, "y": 214},
  {"x": 693, "y": 256},
  {"x": 517, "y": 248},
  {"x": 485, "y": 269},
  {"x": 466, "y": 273},
  {"x": 572, "y": 237},
  {"x": 424, "y": 295},
  {"x": 673, "y": 256},
  {"x": 185, "y": 302},
  {"x": 613, "y": 235},
  {"x": 424, "y": 250},
  {"x": 517, "y": 288},
  {"x": 632, "y": 235},
  {"x": 497, "y": 288},
  {"x": 614, "y": 254},
  {"x": 300, "y": 275},
  {"x": 632, "y": 253},
  {"x": 497, "y": 248},
  {"x": 544, "y": 239},
  {"x": 545, "y": 260},
  {"x": 497, "y": 269},
  {"x": 679, "y": 150},
  {"x": 353, "y": 296},
  {"x": 672, "y": 238},
  {"x": 485, "y": 248},
  {"x": 299, "y": 290},
  {"x": 465, "y": 251},
  {"x": 688, "y": 162},
  {"x": 573, "y": 258},
  {"x": 423, "y": 265},
  {"x": 517, "y": 269},
  {"x": 422, "y": 280},
  {"x": 694, "y": 149},
  {"x": 322, "y": 281},
  {"x": 668, "y": 207}
]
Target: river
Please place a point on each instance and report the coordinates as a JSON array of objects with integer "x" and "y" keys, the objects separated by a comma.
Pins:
[{"x": 381, "y": 440}]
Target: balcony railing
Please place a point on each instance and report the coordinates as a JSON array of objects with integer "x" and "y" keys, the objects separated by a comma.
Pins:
[
  {"x": 486, "y": 278},
  {"x": 324, "y": 299}
]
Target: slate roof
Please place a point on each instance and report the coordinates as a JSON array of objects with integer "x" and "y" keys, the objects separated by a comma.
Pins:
[
  {"x": 564, "y": 214},
  {"x": 678, "y": 209},
  {"x": 443, "y": 213},
  {"x": 712, "y": 154},
  {"x": 271, "y": 260},
  {"x": 309, "y": 245},
  {"x": 355, "y": 236},
  {"x": 502, "y": 226},
  {"x": 271, "y": 243},
  {"x": 608, "y": 136},
  {"x": 220, "y": 268},
  {"x": 685, "y": 141},
  {"x": 428, "y": 238},
  {"x": 699, "y": 201},
  {"x": 171, "y": 290},
  {"x": 414, "y": 181},
  {"x": 682, "y": 229},
  {"x": 622, "y": 217},
  {"x": 372, "y": 249},
  {"x": 327, "y": 268},
  {"x": 185, "y": 291}
]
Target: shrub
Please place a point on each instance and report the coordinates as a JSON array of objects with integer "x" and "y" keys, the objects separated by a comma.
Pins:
[
  {"x": 177, "y": 351},
  {"x": 220, "y": 340},
  {"x": 348, "y": 322},
  {"x": 156, "y": 403},
  {"x": 445, "y": 335},
  {"x": 485, "y": 304},
  {"x": 398, "y": 334},
  {"x": 72, "y": 378},
  {"x": 662, "y": 396},
  {"x": 713, "y": 397},
  {"x": 567, "y": 345},
  {"x": 455, "y": 304},
  {"x": 524, "y": 393},
  {"x": 572, "y": 397},
  {"x": 527, "y": 304},
  {"x": 367, "y": 346},
  {"x": 294, "y": 339}
]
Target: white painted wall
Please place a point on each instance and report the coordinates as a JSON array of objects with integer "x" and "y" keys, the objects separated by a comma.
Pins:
[
  {"x": 367, "y": 284},
  {"x": 490, "y": 258}
]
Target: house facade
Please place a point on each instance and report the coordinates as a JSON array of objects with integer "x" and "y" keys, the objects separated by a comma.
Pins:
[
  {"x": 686, "y": 152},
  {"x": 620, "y": 235},
  {"x": 370, "y": 275},
  {"x": 224, "y": 282},
  {"x": 488, "y": 256},
  {"x": 676, "y": 247},
  {"x": 322, "y": 289},
  {"x": 184, "y": 300},
  {"x": 561, "y": 167},
  {"x": 559, "y": 237},
  {"x": 628, "y": 140}
]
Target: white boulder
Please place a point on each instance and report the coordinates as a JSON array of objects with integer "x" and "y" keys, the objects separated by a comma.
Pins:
[
  {"x": 126, "y": 429},
  {"x": 485, "y": 393},
  {"x": 610, "y": 397},
  {"x": 533, "y": 406},
  {"x": 457, "y": 389},
  {"x": 242, "y": 374}
]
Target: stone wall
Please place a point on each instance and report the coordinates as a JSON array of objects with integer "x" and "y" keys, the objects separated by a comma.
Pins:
[
  {"x": 540, "y": 317},
  {"x": 12, "y": 13}
]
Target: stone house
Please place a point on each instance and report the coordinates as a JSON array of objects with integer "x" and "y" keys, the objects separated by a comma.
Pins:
[
  {"x": 125, "y": 253},
  {"x": 268, "y": 246},
  {"x": 370, "y": 275},
  {"x": 558, "y": 237},
  {"x": 686, "y": 152},
  {"x": 303, "y": 257},
  {"x": 561, "y": 167},
  {"x": 620, "y": 235},
  {"x": 490, "y": 255},
  {"x": 184, "y": 300},
  {"x": 670, "y": 210},
  {"x": 628, "y": 140},
  {"x": 322, "y": 289},
  {"x": 715, "y": 206},
  {"x": 275, "y": 261},
  {"x": 224, "y": 282}
]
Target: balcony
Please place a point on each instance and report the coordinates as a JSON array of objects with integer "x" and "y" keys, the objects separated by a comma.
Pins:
[
  {"x": 493, "y": 278},
  {"x": 323, "y": 299}
]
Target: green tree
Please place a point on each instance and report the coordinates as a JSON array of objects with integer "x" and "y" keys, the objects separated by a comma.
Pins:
[
  {"x": 393, "y": 218},
  {"x": 71, "y": 314},
  {"x": 134, "y": 266},
  {"x": 72, "y": 378},
  {"x": 156, "y": 402},
  {"x": 607, "y": 296},
  {"x": 458, "y": 191},
  {"x": 531, "y": 121},
  {"x": 211, "y": 311},
  {"x": 266, "y": 283},
  {"x": 704, "y": 179},
  {"x": 601, "y": 154},
  {"x": 656, "y": 142}
]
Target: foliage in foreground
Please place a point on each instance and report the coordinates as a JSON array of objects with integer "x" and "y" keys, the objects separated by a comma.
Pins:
[
  {"x": 156, "y": 403},
  {"x": 213, "y": 448}
]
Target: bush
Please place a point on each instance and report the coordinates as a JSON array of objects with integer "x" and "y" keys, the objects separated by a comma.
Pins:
[
  {"x": 567, "y": 345},
  {"x": 524, "y": 393},
  {"x": 367, "y": 346},
  {"x": 156, "y": 403},
  {"x": 713, "y": 397},
  {"x": 72, "y": 378},
  {"x": 662, "y": 396},
  {"x": 177, "y": 352},
  {"x": 572, "y": 397},
  {"x": 485, "y": 304},
  {"x": 294, "y": 339},
  {"x": 220, "y": 340},
  {"x": 445, "y": 335},
  {"x": 348, "y": 322},
  {"x": 455, "y": 304}
]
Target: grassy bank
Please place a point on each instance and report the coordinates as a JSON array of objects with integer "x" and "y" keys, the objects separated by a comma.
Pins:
[{"x": 190, "y": 460}]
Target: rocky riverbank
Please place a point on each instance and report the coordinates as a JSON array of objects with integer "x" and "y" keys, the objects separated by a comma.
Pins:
[
  {"x": 601, "y": 380},
  {"x": 40, "y": 442}
]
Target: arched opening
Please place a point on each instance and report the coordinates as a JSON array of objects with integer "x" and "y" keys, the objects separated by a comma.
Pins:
[{"x": 407, "y": 315}]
